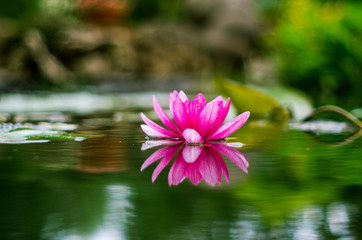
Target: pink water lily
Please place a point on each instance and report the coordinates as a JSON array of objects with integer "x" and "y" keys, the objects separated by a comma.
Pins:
[
  {"x": 193, "y": 121},
  {"x": 195, "y": 162}
]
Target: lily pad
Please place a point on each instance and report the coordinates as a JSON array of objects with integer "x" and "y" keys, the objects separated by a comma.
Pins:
[
  {"x": 331, "y": 124},
  {"x": 29, "y": 133}
]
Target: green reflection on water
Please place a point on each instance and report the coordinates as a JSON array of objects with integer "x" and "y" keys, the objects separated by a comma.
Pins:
[{"x": 296, "y": 187}]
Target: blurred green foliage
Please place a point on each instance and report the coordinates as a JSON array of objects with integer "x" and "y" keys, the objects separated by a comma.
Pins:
[
  {"x": 18, "y": 8},
  {"x": 151, "y": 9},
  {"x": 317, "y": 45}
]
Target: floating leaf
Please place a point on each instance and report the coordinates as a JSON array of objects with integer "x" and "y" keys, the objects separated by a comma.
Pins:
[
  {"x": 333, "y": 112},
  {"x": 321, "y": 127},
  {"x": 331, "y": 124},
  {"x": 29, "y": 133}
]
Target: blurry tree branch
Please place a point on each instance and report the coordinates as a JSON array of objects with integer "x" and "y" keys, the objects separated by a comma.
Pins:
[{"x": 48, "y": 65}]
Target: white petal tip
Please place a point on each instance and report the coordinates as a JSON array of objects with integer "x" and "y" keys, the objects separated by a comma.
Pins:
[{"x": 192, "y": 136}]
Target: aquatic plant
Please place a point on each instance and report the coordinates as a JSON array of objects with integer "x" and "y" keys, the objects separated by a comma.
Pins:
[
  {"x": 195, "y": 162},
  {"x": 194, "y": 121}
]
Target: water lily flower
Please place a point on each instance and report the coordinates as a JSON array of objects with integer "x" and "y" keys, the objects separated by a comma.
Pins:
[
  {"x": 195, "y": 121},
  {"x": 195, "y": 162}
]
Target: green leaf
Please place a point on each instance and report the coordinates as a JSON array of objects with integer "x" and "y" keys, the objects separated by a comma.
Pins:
[
  {"x": 36, "y": 133},
  {"x": 260, "y": 105},
  {"x": 298, "y": 104}
]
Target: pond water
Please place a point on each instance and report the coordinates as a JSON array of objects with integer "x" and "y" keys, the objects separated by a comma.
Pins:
[{"x": 296, "y": 187}]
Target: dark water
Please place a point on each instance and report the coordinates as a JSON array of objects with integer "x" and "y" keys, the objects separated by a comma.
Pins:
[{"x": 296, "y": 188}]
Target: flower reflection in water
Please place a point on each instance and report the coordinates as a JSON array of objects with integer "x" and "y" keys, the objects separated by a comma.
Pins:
[{"x": 195, "y": 162}]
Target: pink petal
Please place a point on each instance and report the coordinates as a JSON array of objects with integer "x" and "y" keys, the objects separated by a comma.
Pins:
[
  {"x": 180, "y": 114},
  {"x": 172, "y": 98},
  {"x": 223, "y": 167},
  {"x": 187, "y": 105},
  {"x": 230, "y": 127},
  {"x": 226, "y": 108},
  {"x": 156, "y": 143},
  {"x": 177, "y": 172},
  {"x": 238, "y": 158},
  {"x": 220, "y": 163},
  {"x": 208, "y": 117},
  {"x": 192, "y": 136},
  {"x": 209, "y": 170},
  {"x": 191, "y": 153},
  {"x": 162, "y": 152},
  {"x": 185, "y": 100},
  {"x": 157, "y": 127},
  {"x": 195, "y": 108},
  {"x": 222, "y": 117},
  {"x": 183, "y": 96},
  {"x": 193, "y": 173},
  {"x": 163, "y": 117},
  {"x": 164, "y": 162},
  {"x": 152, "y": 132}
]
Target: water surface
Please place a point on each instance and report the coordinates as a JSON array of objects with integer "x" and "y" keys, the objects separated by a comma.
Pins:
[{"x": 297, "y": 187}]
